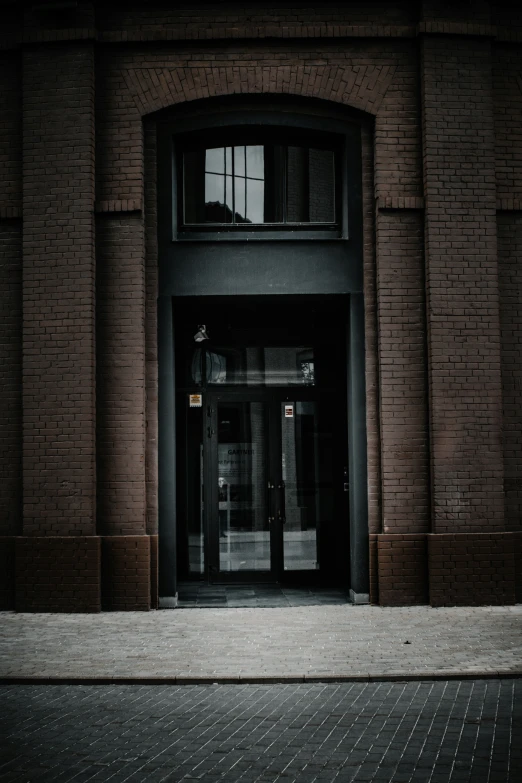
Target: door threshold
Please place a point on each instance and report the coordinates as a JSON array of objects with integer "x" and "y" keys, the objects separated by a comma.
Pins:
[{"x": 257, "y": 595}]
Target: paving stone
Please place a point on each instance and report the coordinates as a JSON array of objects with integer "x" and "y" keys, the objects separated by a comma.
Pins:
[{"x": 320, "y": 642}]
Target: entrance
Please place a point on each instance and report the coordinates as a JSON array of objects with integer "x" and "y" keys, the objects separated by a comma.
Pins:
[
  {"x": 275, "y": 482},
  {"x": 264, "y": 446}
]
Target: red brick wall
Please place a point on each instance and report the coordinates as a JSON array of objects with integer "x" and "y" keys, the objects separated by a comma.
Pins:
[
  {"x": 252, "y": 20},
  {"x": 10, "y": 378},
  {"x": 471, "y": 569},
  {"x": 58, "y": 574},
  {"x": 10, "y": 295},
  {"x": 125, "y": 563},
  {"x": 510, "y": 282},
  {"x": 435, "y": 135},
  {"x": 120, "y": 374},
  {"x": 462, "y": 285},
  {"x": 59, "y": 293},
  {"x": 402, "y": 364},
  {"x": 403, "y": 573},
  {"x": 151, "y": 328},
  {"x": 374, "y": 569},
  {"x": 7, "y": 572},
  {"x": 371, "y": 337}
]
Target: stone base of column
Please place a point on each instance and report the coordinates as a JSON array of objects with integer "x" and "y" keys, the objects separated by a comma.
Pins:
[
  {"x": 402, "y": 569},
  {"x": 473, "y": 569},
  {"x": 443, "y": 569},
  {"x": 129, "y": 573},
  {"x": 7, "y": 572},
  {"x": 57, "y": 574},
  {"x": 78, "y": 573}
]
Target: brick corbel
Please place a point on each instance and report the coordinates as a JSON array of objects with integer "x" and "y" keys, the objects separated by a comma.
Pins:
[{"x": 118, "y": 205}]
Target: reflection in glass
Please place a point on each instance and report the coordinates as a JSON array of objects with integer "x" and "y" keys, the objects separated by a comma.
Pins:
[
  {"x": 307, "y": 480},
  {"x": 255, "y": 366},
  {"x": 259, "y": 184},
  {"x": 244, "y": 529},
  {"x": 194, "y": 511}
]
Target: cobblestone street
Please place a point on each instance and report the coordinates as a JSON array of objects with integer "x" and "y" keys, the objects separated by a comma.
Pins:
[{"x": 430, "y": 732}]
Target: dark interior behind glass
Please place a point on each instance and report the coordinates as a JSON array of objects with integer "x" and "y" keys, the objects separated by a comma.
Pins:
[{"x": 253, "y": 178}]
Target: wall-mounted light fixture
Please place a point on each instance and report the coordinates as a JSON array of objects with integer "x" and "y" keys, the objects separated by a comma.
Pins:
[{"x": 201, "y": 334}]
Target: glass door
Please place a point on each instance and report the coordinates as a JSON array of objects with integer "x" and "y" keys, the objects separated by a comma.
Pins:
[
  {"x": 276, "y": 505},
  {"x": 241, "y": 512}
]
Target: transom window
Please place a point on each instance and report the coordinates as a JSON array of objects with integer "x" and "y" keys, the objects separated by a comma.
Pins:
[{"x": 244, "y": 180}]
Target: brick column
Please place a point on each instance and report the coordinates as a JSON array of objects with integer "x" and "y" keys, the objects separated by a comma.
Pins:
[
  {"x": 401, "y": 547},
  {"x": 11, "y": 331},
  {"x": 462, "y": 285},
  {"x": 58, "y": 307},
  {"x": 463, "y": 319},
  {"x": 121, "y": 410}
]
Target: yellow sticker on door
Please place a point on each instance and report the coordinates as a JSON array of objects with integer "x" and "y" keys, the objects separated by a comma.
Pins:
[{"x": 195, "y": 400}]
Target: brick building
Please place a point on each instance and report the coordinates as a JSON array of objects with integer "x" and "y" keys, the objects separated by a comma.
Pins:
[{"x": 333, "y": 191}]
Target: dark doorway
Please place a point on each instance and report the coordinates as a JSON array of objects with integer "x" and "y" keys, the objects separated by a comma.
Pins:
[{"x": 262, "y": 439}]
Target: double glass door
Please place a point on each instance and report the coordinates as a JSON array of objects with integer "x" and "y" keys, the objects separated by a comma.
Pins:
[{"x": 271, "y": 494}]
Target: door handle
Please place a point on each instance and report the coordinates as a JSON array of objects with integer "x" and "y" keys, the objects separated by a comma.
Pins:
[{"x": 280, "y": 517}]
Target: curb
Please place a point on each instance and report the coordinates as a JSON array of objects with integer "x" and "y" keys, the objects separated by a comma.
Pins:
[{"x": 261, "y": 679}]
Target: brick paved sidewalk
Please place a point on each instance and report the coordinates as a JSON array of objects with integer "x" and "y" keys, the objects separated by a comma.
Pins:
[{"x": 272, "y": 644}]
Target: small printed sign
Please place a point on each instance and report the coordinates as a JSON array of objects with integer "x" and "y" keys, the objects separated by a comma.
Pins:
[
  {"x": 195, "y": 400},
  {"x": 289, "y": 411}
]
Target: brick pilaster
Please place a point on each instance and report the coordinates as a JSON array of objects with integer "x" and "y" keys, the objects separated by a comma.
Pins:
[
  {"x": 10, "y": 295},
  {"x": 462, "y": 284},
  {"x": 402, "y": 362},
  {"x": 59, "y": 290},
  {"x": 121, "y": 374}
]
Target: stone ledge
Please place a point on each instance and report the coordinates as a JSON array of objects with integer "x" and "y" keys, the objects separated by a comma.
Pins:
[
  {"x": 509, "y": 204},
  {"x": 10, "y": 212},
  {"x": 400, "y": 202},
  {"x": 440, "y": 27},
  {"x": 118, "y": 205}
]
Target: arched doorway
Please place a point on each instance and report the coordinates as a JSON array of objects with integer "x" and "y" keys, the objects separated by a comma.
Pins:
[{"x": 263, "y": 456}]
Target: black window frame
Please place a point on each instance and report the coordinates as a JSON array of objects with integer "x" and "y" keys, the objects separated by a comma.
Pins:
[{"x": 244, "y": 135}]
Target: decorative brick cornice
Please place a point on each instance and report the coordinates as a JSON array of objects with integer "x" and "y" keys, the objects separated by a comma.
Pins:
[
  {"x": 440, "y": 27},
  {"x": 216, "y": 32},
  {"x": 9, "y": 43},
  {"x": 118, "y": 205},
  {"x": 10, "y": 212},
  {"x": 51, "y": 36},
  {"x": 400, "y": 202},
  {"x": 259, "y": 32},
  {"x": 509, "y": 204},
  {"x": 509, "y": 34}
]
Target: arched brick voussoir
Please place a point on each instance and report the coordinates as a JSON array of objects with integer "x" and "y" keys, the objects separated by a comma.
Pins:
[{"x": 360, "y": 86}]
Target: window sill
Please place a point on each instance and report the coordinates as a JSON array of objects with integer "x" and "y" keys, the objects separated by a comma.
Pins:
[{"x": 257, "y": 236}]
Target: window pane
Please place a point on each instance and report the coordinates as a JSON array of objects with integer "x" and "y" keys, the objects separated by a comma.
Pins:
[
  {"x": 259, "y": 184},
  {"x": 297, "y": 185},
  {"x": 239, "y": 195},
  {"x": 229, "y": 200},
  {"x": 215, "y": 160},
  {"x": 255, "y": 162},
  {"x": 256, "y": 366},
  {"x": 255, "y": 198},
  {"x": 321, "y": 186},
  {"x": 214, "y": 198},
  {"x": 239, "y": 161}
]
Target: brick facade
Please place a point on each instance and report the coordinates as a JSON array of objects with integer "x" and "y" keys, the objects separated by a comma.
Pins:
[{"x": 438, "y": 91}]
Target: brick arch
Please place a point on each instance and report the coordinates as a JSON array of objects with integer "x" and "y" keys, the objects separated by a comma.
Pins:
[{"x": 361, "y": 86}]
